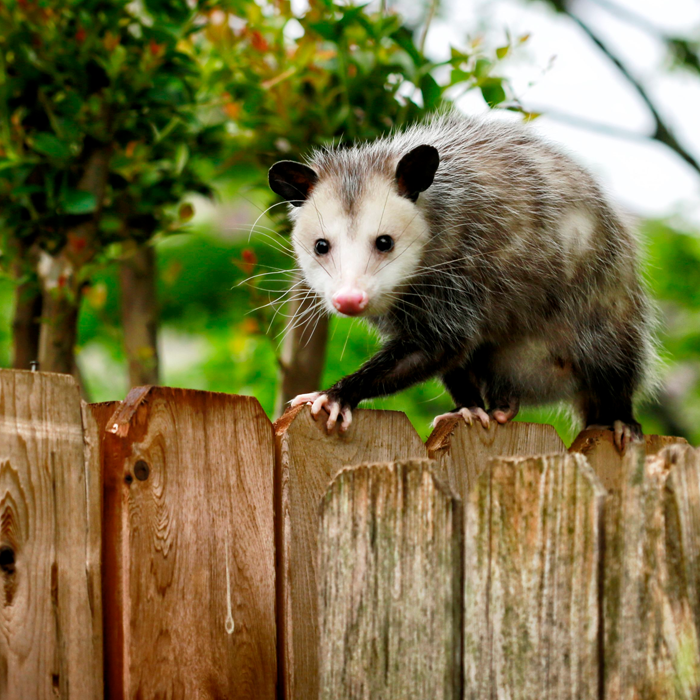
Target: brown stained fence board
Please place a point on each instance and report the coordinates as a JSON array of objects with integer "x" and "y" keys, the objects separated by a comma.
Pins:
[
  {"x": 51, "y": 609},
  {"x": 533, "y": 552},
  {"x": 307, "y": 460},
  {"x": 189, "y": 508},
  {"x": 651, "y": 601},
  {"x": 462, "y": 451},
  {"x": 390, "y": 593},
  {"x": 112, "y": 531},
  {"x": 597, "y": 447}
]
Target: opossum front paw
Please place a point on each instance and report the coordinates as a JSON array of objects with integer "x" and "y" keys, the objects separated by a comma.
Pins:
[
  {"x": 323, "y": 402},
  {"x": 469, "y": 414}
]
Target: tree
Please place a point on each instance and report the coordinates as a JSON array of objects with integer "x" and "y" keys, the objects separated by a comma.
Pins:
[{"x": 97, "y": 114}]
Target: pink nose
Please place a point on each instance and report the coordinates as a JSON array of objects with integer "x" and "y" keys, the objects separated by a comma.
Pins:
[{"x": 350, "y": 301}]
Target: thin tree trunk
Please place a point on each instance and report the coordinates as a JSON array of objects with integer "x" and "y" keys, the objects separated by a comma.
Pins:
[
  {"x": 60, "y": 274},
  {"x": 137, "y": 275},
  {"x": 59, "y": 331},
  {"x": 303, "y": 355},
  {"x": 25, "y": 323}
]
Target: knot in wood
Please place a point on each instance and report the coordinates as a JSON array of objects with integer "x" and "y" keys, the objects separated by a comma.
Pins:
[
  {"x": 141, "y": 470},
  {"x": 7, "y": 559}
]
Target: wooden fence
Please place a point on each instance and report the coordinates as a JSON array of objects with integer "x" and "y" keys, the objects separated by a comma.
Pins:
[{"x": 179, "y": 545}]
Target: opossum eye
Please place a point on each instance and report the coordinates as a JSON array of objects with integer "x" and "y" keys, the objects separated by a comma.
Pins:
[
  {"x": 384, "y": 244},
  {"x": 322, "y": 246}
]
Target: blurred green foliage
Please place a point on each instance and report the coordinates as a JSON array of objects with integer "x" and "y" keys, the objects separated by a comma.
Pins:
[{"x": 89, "y": 74}]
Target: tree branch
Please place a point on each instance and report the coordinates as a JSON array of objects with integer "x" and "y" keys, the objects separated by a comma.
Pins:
[
  {"x": 630, "y": 17},
  {"x": 583, "y": 123},
  {"x": 426, "y": 27},
  {"x": 661, "y": 132}
]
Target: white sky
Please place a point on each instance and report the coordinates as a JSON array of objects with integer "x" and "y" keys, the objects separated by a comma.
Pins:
[{"x": 560, "y": 69}]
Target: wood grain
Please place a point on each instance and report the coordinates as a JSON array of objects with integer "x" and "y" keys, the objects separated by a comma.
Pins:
[
  {"x": 51, "y": 609},
  {"x": 307, "y": 460},
  {"x": 651, "y": 594},
  {"x": 533, "y": 552},
  {"x": 390, "y": 593},
  {"x": 462, "y": 451},
  {"x": 598, "y": 448},
  {"x": 681, "y": 509},
  {"x": 189, "y": 514},
  {"x": 112, "y": 539}
]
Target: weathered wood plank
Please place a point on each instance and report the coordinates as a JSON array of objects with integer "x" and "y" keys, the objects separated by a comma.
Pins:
[
  {"x": 533, "y": 549},
  {"x": 598, "y": 448},
  {"x": 462, "y": 451},
  {"x": 390, "y": 589},
  {"x": 51, "y": 609},
  {"x": 307, "y": 459},
  {"x": 651, "y": 594},
  {"x": 681, "y": 509},
  {"x": 189, "y": 511}
]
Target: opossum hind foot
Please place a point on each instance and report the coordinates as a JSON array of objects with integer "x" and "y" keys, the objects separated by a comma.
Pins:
[{"x": 624, "y": 434}]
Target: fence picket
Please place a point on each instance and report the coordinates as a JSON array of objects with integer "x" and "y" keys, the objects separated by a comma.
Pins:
[
  {"x": 533, "y": 547},
  {"x": 651, "y": 614},
  {"x": 50, "y": 602},
  {"x": 189, "y": 510},
  {"x": 597, "y": 446},
  {"x": 307, "y": 460},
  {"x": 390, "y": 562},
  {"x": 462, "y": 451}
]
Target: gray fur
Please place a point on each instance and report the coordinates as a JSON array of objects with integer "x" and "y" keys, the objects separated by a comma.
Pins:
[{"x": 499, "y": 271}]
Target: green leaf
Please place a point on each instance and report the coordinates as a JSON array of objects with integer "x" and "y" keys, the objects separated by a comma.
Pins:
[
  {"x": 457, "y": 56},
  {"x": 482, "y": 68},
  {"x": 350, "y": 14},
  {"x": 182, "y": 154},
  {"x": 431, "y": 91},
  {"x": 330, "y": 31},
  {"x": 404, "y": 39},
  {"x": 79, "y": 202},
  {"x": 52, "y": 146},
  {"x": 493, "y": 91},
  {"x": 26, "y": 189},
  {"x": 459, "y": 76},
  {"x": 502, "y": 51}
]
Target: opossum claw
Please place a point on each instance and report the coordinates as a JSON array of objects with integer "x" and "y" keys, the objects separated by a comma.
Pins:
[
  {"x": 469, "y": 414},
  {"x": 304, "y": 398},
  {"x": 624, "y": 434},
  {"x": 321, "y": 402}
]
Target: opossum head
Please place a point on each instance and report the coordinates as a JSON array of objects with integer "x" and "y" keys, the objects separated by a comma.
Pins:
[{"x": 359, "y": 232}]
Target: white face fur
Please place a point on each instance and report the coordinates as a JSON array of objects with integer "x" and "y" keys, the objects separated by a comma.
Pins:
[{"x": 354, "y": 257}]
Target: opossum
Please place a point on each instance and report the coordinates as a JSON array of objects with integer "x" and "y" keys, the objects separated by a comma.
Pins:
[{"x": 483, "y": 255}]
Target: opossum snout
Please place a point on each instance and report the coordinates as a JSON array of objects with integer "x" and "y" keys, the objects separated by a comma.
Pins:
[{"x": 350, "y": 301}]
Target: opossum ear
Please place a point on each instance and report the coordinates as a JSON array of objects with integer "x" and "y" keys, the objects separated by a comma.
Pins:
[
  {"x": 416, "y": 170},
  {"x": 292, "y": 181}
]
